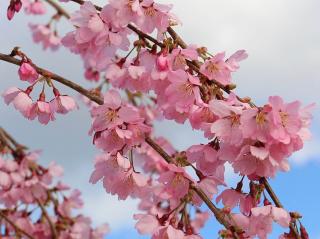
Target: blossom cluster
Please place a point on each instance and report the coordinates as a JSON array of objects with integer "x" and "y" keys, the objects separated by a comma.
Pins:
[
  {"x": 41, "y": 109},
  {"x": 151, "y": 78},
  {"x": 38, "y": 205}
]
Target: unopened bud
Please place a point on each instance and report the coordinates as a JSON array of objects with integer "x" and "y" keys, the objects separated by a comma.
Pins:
[
  {"x": 304, "y": 233},
  {"x": 202, "y": 50}
]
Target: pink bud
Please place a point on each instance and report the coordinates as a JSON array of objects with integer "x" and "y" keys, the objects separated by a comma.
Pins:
[
  {"x": 162, "y": 63},
  {"x": 28, "y": 73},
  {"x": 10, "y": 13}
]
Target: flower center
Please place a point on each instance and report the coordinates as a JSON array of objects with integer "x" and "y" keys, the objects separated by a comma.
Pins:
[
  {"x": 186, "y": 89},
  {"x": 150, "y": 11},
  {"x": 284, "y": 118},
  {"x": 179, "y": 61},
  {"x": 235, "y": 119},
  {"x": 212, "y": 67},
  {"x": 260, "y": 118},
  {"x": 111, "y": 115}
]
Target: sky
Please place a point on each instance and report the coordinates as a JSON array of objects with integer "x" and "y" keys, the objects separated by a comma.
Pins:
[{"x": 282, "y": 39}]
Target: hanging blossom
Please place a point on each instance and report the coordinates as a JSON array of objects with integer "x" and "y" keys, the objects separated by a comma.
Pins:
[
  {"x": 43, "y": 34},
  {"x": 259, "y": 140},
  {"x": 216, "y": 68},
  {"x": 182, "y": 84},
  {"x": 41, "y": 109},
  {"x": 25, "y": 186},
  {"x": 34, "y": 7}
]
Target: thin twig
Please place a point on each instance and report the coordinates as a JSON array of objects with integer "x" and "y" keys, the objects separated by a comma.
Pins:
[
  {"x": 52, "y": 226},
  {"x": 57, "y": 78},
  {"x": 15, "y": 226},
  {"x": 58, "y": 8},
  {"x": 277, "y": 202}
]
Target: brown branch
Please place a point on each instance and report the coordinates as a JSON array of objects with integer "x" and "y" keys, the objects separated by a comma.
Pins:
[
  {"x": 56, "y": 77},
  {"x": 193, "y": 65},
  {"x": 52, "y": 226},
  {"x": 277, "y": 202},
  {"x": 12, "y": 140},
  {"x": 58, "y": 8},
  {"x": 99, "y": 101},
  {"x": 5, "y": 140},
  {"x": 15, "y": 226}
]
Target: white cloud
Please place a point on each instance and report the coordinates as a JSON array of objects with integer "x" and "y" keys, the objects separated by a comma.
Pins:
[
  {"x": 310, "y": 152},
  {"x": 105, "y": 208}
]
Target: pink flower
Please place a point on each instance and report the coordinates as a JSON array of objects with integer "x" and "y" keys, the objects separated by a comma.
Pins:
[
  {"x": 43, "y": 34},
  {"x": 175, "y": 183},
  {"x": 230, "y": 198},
  {"x": 124, "y": 11},
  {"x": 285, "y": 119},
  {"x": 217, "y": 69},
  {"x": 201, "y": 117},
  {"x": 206, "y": 159},
  {"x": 92, "y": 75},
  {"x": 183, "y": 91},
  {"x": 69, "y": 203},
  {"x": 227, "y": 127},
  {"x": 112, "y": 113},
  {"x": 36, "y": 7},
  {"x": 62, "y": 104},
  {"x": 168, "y": 232},
  {"x": 20, "y": 99},
  {"x": 118, "y": 176},
  {"x": 155, "y": 16},
  {"x": 178, "y": 57},
  {"x": 262, "y": 217},
  {"x": 15, "y": 6},
  {"x": 255, "y": 124},
  {"x": 42, "y": 110},
  {"x": 28, "y": 73},
  {"x": 147, "y": 224}
]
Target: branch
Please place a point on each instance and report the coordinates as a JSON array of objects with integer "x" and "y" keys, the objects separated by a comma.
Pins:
[
  {"x": 277, "y": 202},
  {"x": 99, "y": 101},
  {"x": 52, "y": 226},
  {"x": 15, "y": 226},
  {"x": 62, "y": 80},
  {"x": 59, "y": 9},
  {"x": 193, "y": 65}
]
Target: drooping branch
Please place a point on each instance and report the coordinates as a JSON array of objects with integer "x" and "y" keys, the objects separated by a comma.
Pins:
[
  {"x": 46, "y": 215},
  {"x": 58, "y": 8},
  {"x": 277, "y": 202},
  {"x": 46, "y": 73},
  {"x": 15, "y": 226},
  {"x": 193, "y": 65},
  {"x": 99, "y": 101}
]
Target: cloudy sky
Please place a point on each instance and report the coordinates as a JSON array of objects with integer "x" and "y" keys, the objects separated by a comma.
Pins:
[{"x": 282, "y": 38}]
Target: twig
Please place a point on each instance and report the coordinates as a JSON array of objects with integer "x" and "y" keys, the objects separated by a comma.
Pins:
[
  {"x": 18, "y": 229},
  {"x": 58, "y": 8},
  {"x": 57, "y": 78},
  {"x": 45, "y": 213},
  {"x": 277, "y": 202}
]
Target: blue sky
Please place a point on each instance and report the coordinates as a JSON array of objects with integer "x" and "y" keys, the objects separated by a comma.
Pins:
[{"x": 283, "y": 42}]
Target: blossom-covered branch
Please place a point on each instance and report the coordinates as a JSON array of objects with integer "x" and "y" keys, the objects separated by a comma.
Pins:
[
  {"x": 164, "y": 77},
  {"x": 27, "y": 187}
]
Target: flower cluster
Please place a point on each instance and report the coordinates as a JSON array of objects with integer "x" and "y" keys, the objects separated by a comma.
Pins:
[
  {"x": 35, "y": 204},
  {"x": 41, "y": 109},
  {"x": 164, "y": 78}
]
